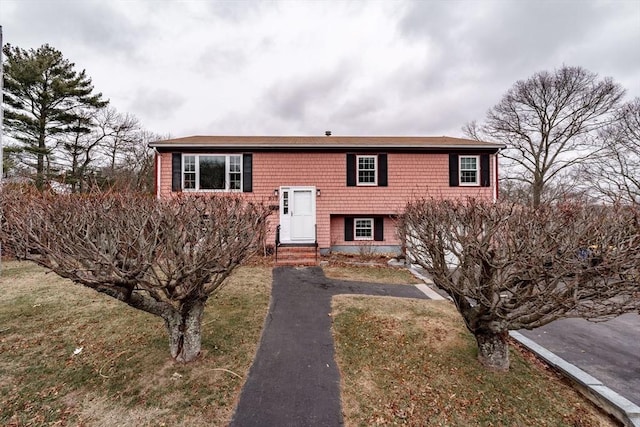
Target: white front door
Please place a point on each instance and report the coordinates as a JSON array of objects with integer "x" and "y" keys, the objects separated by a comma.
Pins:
[{"x": 297, "y": 214}]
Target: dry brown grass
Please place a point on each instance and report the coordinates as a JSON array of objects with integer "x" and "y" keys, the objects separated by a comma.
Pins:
[
  {"x": 410, "y": 362},
  {"x": 373, "y": 274},
  {"x": 124, "y": 375}
]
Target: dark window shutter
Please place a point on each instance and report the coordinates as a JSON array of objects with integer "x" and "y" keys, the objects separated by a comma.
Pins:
[
  {"x": 485, "y": 180},
  {"x": 348, "y": 228},
  {"x": 247, "y": 173},
  {"x": 382, "y": 170},
  {"x": 351, "y": 170},
  {"x": 176, "y": 171},
  {"x": 378, "y": 229},
  {"x": 453, "y": 170}
]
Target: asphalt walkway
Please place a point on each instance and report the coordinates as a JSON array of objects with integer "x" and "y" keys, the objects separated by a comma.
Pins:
[{"x": 294, "y": 379}]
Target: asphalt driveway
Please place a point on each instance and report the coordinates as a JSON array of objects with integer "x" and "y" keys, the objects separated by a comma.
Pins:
[
  {"x": 609, "y": 351},
  {"x": 294, "y": 380}
]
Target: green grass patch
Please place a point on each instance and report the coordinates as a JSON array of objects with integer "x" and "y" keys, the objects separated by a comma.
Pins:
[
  {"x": 410, "y": 362},
  {"x": 124, "y": 374}
]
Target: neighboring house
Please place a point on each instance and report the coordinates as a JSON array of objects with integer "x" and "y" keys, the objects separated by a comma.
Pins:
[{"x": 339, "y": 192}]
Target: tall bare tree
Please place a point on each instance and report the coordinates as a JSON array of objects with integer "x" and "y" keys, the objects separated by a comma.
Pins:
[
  {"x": 162, "y": 257},
  {"x": 123, "y": 130},
  {"x": 114, "y": 153},
  {"x": 549, "y": 123},
  {"x": 78, "y": 151},
  {"x": 509, "y": 266},
  {"x": 615, "y": 172},
  {"x": 134, "y": 167}
]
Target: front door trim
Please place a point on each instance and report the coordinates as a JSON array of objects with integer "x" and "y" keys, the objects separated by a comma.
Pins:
[{"x": 297, "y": 223}]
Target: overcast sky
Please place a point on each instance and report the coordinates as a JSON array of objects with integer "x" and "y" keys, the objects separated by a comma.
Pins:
[{"x": 303, "y": 67}]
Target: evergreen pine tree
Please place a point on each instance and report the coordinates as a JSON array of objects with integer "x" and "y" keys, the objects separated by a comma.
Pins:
[{"x": 45, "y": 99}]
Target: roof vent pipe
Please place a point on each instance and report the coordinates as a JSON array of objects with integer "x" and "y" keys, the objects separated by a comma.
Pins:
[{"x": 327, "y": 133}]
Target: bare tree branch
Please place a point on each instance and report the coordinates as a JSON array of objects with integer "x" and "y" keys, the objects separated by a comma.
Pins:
[
  {"x": 549, "y": 123},
  {"x": 508, "y": 266},
  {"x": 163, "y": 257},
  {"x": 615, "y": 172}
]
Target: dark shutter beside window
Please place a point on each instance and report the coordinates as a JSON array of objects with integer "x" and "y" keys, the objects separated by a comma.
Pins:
[
  {"x": 176, "y": 171},
  {"x": 382, "y": 170},
  {"x": 453, "y": 170},
  {"x": 485, "y": 180},
  {"x": 247, "y": 173},
  {"x": 348, "y": 228},
  {"x": 378, "y": 229},
  {"x": 351, "y": 170}
]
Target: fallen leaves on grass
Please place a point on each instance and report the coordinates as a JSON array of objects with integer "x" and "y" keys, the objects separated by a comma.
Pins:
[
  {"x": 124, "y": 374},
  {"x": 410, "y": 362}
]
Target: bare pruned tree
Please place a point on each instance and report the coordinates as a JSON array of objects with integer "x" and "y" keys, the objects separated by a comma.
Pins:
[
  {"x": 549, "y": 123},
  {"x": 615, "y": 172},
  {"x": 163, "y": 257},
  {"x": 508, "y": 266},
  {"x": 134, "y": 169}
]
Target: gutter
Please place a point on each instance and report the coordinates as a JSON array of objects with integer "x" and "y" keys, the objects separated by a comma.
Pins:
[{"x": 326, "y": 146}]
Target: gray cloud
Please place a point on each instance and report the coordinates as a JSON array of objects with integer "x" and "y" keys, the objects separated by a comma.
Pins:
[
  {"x": 299, "y": 97},
  {"x": 218, "y": 59},
  {"x": 508, "y": 37},
  {"x": 237, "y": 10},
  {"x": 248, "y": 67},
  {"x": 97, "y": 25},
  {"x": 157, "y": 104},
  {"x": 487, "y": 46}
]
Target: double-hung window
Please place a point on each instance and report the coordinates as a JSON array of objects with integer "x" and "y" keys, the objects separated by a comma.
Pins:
[
  {"x": 367, "y": 171},
  {"x": 215, "y": 172},
  {"x": 363, "y": 228},
  {"x": 469, "y": 170}
]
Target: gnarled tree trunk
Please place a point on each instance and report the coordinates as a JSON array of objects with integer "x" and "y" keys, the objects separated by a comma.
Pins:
[
  {"x": 183, "y": 326},
  {"x": 493, "y": 349}
]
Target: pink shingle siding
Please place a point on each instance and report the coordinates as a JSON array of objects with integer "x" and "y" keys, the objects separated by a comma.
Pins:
[{"x": 410, "y": 175}]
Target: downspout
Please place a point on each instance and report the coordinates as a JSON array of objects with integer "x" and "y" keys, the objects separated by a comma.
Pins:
[
  {"x": 158, "y": 172},
  {"x": 495, "y": 169}
]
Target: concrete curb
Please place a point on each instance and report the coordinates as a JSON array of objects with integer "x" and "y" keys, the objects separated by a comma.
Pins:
[
  {"x": 621, "y": 408},
  {"x": 424, "y": 288},
  {"x": 624, "y": 410}
]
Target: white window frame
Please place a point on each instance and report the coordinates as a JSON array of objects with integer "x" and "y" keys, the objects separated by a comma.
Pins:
[
  {"x": 227, "y": 172},
  {"x": 355, "y": 229},
  {"x": 375, "y": 170},
  {"x": 476, "y": 170}
]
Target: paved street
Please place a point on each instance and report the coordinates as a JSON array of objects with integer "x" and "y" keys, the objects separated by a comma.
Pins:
[{"x": 609, "y": 351}]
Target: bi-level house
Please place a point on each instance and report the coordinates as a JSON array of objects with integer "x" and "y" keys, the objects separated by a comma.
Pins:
[{"x": 335, "y": 193}]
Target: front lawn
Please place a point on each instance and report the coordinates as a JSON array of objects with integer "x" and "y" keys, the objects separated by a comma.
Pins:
[
  {"x": 122, "y": 373},
  {"x": 412, "y": 362},
  {"x": 373, "y": 274},
  {"x": 403, "y": 362}
]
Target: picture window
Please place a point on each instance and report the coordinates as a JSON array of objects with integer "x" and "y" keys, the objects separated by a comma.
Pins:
[{"x": 212, "y": 172}]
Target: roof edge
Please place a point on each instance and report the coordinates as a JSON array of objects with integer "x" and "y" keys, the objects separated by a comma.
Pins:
[{"x": 323, "y": 142}]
